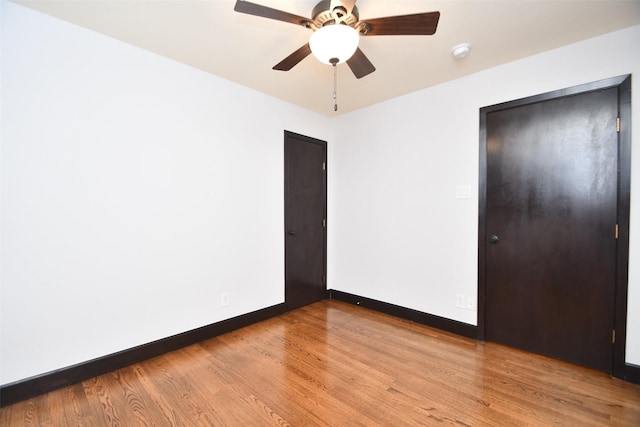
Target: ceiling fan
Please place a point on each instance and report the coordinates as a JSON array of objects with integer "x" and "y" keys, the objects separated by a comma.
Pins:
[{"x": 336, "y": 26}]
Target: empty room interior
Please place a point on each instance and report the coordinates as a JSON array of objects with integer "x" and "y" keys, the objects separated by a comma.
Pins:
[{"x": 204, "y": 224}]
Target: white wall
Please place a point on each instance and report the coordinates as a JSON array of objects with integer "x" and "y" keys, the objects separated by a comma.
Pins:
[
  {"x": 398, "y": 234},
  {"x": 135, "y": 190}
]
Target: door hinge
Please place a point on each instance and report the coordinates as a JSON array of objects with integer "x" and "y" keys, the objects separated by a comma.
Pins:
[
  {"x": 618, "y": 124},
  {"x": 613, "y": 337},
  {"x": 324, "y": 166},
  {"x": 324, "y": 223},
  {"x": 617, "y": 231}
]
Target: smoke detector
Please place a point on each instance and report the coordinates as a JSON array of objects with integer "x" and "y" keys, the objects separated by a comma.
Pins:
[{"x": 461, "y": 50}]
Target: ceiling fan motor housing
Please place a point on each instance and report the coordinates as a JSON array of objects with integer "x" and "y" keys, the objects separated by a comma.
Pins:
[{"x": 323, "y": 15}]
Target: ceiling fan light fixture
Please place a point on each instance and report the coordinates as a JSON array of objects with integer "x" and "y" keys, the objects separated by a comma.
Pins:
[{"x": 333, "y": 42}]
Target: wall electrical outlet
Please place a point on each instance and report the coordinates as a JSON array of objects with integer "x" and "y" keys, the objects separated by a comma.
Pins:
[
  {"x": 461, "y": 301},
  {"x": 224, "y": 299},
  {"x": 471, "y": 303},
  {"x": 463, "y": 191}
]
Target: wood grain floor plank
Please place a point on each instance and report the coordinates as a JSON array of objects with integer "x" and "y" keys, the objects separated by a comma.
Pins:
[
  {"x": 271, "y": 382},
  {"x": 332, "y": 364},
  {"x": 185, "y": 400}
]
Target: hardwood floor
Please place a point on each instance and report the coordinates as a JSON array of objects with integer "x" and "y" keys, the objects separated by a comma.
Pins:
[{"x": 334, "y": 364}]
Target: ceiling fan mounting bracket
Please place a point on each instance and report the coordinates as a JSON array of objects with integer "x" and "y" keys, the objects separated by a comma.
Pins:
[{"x": 363, "y": 28}]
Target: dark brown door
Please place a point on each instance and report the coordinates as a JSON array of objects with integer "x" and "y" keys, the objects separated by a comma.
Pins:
[
  {"x": 305, "y": 219},
  {"x": 551, "y": 208}
]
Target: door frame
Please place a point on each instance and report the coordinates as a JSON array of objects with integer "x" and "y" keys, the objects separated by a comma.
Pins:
[
  {"x": 306, "y": 139},
  {"x": 623, "y": 84}
]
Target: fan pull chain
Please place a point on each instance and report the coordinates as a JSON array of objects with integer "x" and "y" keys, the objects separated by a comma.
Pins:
[{"x": 334, "y": 62}]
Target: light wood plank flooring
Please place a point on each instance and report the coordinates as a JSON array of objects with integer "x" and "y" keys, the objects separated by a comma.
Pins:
[{"x": 334, "y": 364}]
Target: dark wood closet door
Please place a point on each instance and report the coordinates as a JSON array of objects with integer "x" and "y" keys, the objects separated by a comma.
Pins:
[
  {"x": 551, "y": 203},
  {"x": 305, "y": 214}
]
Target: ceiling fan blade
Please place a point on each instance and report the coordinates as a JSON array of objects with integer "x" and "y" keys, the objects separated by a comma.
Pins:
[
  {"x": 419, "y": 24},
  {"x": 360, "y": 64},
  {"x": 292, "y": 60},
  {"x": 267, "y": 12}
]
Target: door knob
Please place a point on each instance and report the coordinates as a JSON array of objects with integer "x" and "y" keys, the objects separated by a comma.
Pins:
[
  {"x": 292, "y": 233},
  {"x": 493, "y": 239}
]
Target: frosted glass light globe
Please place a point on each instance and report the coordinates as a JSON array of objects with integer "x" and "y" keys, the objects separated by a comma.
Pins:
[{"x": 334, "y": 41}]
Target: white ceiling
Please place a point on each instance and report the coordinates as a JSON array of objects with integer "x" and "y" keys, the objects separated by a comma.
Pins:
[{"x": 209, "y": 35}]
